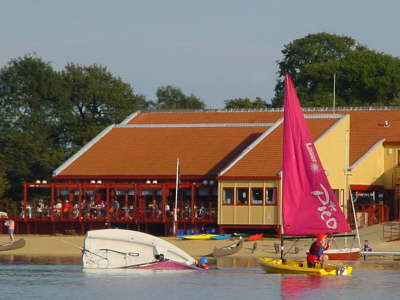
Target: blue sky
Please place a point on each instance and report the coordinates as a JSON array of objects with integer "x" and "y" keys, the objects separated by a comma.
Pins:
[{"x": 216, "y": 50}]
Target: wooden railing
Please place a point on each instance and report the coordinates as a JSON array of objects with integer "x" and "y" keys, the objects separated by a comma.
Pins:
[{"x": 391, "y": 230}]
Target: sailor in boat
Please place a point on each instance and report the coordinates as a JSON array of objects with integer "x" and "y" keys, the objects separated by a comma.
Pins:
[
  {"x": 11, "y": 225},
  {"x": 316, "y": 253}
]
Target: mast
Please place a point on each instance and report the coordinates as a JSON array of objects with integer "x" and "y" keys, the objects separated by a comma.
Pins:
[
  {"x": 281, "y": 215},
  {"x": 334, "y": 92},
  {"x": 355, "y": 218},
  {"x": 176, "y": 197}
]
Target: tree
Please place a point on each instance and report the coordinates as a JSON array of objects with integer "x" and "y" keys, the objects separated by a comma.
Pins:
[
  {"x": 363, "y": 77},
  {"x": 45, "y": 115},
  {"x": 4, "y": 184},
  {"x": 246, "y": 103},
  {"x": 169, "y": 97},
  {"x": 97, "y": 99},
  {"x": 31, "y": 101}
]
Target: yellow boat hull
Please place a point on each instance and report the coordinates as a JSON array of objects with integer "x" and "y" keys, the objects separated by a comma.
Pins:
[
  {"x": 272, "y": 265},
  {"x": 199, "y": 237}
]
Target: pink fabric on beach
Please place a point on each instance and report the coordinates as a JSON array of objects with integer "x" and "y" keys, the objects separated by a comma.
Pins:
[{"x": 309, "y": 205}]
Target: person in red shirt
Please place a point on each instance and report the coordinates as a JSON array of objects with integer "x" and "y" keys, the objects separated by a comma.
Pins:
[
  {"x": 67, "y": 209},
  {"x": 316, "y": 252}
]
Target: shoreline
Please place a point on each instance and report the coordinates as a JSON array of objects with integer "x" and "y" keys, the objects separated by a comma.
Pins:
[{"x": 70, "y": 245}]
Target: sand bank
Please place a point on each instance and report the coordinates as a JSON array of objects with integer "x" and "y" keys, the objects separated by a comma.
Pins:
[{"x": 67, "y": 245}]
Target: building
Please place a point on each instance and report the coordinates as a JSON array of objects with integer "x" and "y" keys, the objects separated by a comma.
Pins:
[{"x": 229, "y": 172}]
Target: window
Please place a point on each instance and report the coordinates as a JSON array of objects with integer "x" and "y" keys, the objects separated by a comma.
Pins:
[
  {"x": 256, "y": 196},
  {"x": 202, "y": 194},
  {"x": 228, "y": 197},
  {"x": 270, "y": 196},
  {"x": 242, "y": 196}
]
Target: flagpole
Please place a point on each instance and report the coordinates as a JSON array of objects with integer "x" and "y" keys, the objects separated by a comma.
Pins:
[
  {"x": 281, "y": 214},
  {"x": 334, "y": 92},
  {"x": 176, "y": 197}
]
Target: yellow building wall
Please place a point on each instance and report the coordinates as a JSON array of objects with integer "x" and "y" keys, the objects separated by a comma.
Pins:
[
  {"x": 370, "y": 170},
  {"x": 333, "y": 150},
  {"x": 391, "y": 170},
  {"x": 247, "y": 214}
]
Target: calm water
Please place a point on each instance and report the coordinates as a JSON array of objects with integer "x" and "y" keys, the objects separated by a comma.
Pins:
[{"x": 239, "y": 278}]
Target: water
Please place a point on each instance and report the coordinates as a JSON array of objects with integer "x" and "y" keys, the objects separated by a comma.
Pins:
[{"x": 50, "y": 278}]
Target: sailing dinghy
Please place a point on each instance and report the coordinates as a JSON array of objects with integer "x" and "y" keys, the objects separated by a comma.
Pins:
[
  {"x": 128, "y": 249},
  {"x": 12, "y": 245},
  {"x": 309, "y": 206}
]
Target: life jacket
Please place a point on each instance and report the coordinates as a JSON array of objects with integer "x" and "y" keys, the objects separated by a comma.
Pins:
[{"x": 315, "y": 252}]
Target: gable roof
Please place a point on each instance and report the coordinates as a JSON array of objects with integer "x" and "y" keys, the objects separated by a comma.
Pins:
[
  {"x": 205, "y": 117},
  {"x": 236, "y": 143},
  {"x": 266, "y": 157},
  {"x": 366, "y": 123},
  {"x": 126, "y": 151}
]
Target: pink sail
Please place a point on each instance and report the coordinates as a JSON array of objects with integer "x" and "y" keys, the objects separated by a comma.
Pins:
[{"x": 309, "y": 204}]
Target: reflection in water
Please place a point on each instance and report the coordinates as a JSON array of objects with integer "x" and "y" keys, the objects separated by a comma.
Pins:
[
  {"x": 229, "y": 278},
  {"x": 220, "y": 262},
  {"x": 299, "y": 286},
  {"x": 39, "y": 260},
  {"x": 236, "y": 262}
]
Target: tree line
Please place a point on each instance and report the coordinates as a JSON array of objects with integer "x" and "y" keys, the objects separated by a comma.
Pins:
[{"x": 47, "y": 115}]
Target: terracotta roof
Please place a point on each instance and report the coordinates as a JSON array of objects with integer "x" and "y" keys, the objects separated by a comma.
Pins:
[
  {"x": 367, "y": 128},
  {"x": 266, "y": 158},
  {"x": 208, "y": 150},
  {"x": 153, "y": 151},
  {"x": 367, "y": 124},
  {"x": 206, "y": 117}
]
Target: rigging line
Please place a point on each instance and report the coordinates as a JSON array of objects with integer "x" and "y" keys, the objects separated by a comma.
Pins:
[{"x": 83, "y": 249}]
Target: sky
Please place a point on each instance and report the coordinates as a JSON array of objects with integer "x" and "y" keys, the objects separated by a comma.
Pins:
[{"x": 216, "y": 50}]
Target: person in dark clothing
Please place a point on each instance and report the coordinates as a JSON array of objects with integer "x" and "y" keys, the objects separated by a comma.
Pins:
[{"x": 316, "y": 252}]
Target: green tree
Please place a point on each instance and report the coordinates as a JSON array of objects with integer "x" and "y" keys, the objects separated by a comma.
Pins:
[
  {"x": 45, "y": 115},
  {"x": 31, "y": 101},
  {"x": 246, "y": 103},
  {"x": 169, "y": 97},
  {"x": 97, "y": 99},
  {"x": 313, "y": 49},
  {"x": 4, "y": 184},
  {"x": 363, "y": 77}
]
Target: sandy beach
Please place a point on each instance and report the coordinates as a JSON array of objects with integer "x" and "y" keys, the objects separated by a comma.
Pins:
[{"x": 69, "y": 245}]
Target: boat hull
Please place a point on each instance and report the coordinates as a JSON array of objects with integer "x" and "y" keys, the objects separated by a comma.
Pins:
[
  {"x": 13, "y": 245},
  {"x": 199, "y": 236},
  {"x": 222, "y": 237},
  {"x": 255, "y": 237},
  {"x": 165, "y": 265},
  {"x": 118, "y": 248},
  {"x": 228, "y": 250},
  {"x": 343, "y": 254},
  {"x": 271, "y": 265}
]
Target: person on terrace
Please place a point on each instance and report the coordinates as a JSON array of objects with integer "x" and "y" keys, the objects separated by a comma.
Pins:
[{"x": 316, "y": 253}]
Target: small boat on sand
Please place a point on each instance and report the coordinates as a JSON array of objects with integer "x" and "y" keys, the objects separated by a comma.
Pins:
[
  {"x": 128, "y": 249},
  {"x": 255, "y": 237},
  {"x": 228, "y": 250},
  {"x": 12, "y": 245},
  {"x": 222, "y": 237},
  {"x": 204, "y": 236},
  {"x": 343, "y": 254}
]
